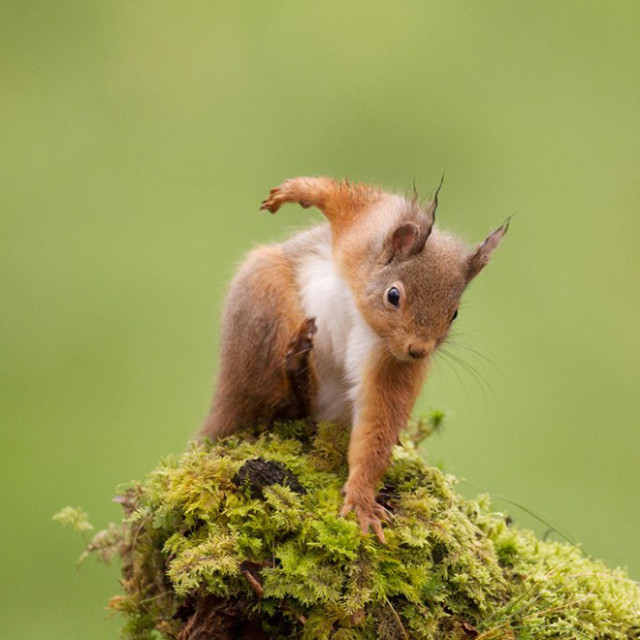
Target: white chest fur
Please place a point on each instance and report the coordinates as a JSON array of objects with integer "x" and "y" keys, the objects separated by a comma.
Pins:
[{"x": 344, "y": 341}]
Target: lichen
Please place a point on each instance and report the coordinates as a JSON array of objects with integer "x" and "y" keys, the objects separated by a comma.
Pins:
[{"x": 206, "y": 555}]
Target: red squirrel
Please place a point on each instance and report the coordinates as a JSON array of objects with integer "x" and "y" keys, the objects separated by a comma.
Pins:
[{"x": 339, "y": 323}]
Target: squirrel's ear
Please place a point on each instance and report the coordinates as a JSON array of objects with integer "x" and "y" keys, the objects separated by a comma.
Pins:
[
  {"x": 408, "y": 239},
  {"x": 480, "y": 257}
]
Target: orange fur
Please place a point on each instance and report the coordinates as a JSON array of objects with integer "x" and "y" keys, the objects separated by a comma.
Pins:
[
  {"x": 341, "y": 202},
  {"x": 388, "y": 392}
]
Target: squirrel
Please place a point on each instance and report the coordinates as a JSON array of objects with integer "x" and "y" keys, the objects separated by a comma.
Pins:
[{"x": 339, "y": 323}]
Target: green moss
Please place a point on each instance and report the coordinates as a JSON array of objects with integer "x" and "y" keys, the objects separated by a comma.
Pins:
[{"x": 193, "y": 535}]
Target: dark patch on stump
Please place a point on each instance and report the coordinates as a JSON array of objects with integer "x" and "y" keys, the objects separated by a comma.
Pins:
[{"x": 259, "y": 473}]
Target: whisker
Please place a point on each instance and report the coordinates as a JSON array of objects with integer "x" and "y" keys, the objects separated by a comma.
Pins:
[
  {"x": 480, "y": 379},
  {"x": 443, "y": 358},
  {"x": 472, "y": 350}
]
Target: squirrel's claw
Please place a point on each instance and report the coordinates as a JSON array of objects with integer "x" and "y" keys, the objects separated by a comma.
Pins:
[
  {"x": 383, "y": 513},
  {"x": 376, "y": 525}
]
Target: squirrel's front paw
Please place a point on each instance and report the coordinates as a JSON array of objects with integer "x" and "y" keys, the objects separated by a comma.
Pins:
[
  {"x": 274, "y": 200},
  {"x": 288, "y": 191},
  {"x": 297, "y": 356},
  {"x": 368, "y": 511}
]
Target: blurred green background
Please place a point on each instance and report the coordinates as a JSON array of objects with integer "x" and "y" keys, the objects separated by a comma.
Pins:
[{"x": 137, "y": 142}]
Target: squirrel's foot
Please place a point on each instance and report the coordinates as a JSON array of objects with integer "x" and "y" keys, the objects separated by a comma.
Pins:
[
  {"x": 370, "y": 514},
  {"x": 297, "y": 356},
  {"x": 286, "y": 192}
]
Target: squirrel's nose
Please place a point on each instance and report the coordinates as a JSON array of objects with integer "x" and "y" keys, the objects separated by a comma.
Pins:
[{"x": 417, "y": 352}]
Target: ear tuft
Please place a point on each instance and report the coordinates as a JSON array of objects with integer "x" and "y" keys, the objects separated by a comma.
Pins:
[
  {"x": 433, "y": 205},
  {"x": 480, "y": 258}
]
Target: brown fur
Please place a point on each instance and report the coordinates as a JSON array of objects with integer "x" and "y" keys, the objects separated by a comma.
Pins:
[
  {"x": 379, "y": 240},
  {"x": 262, "y": 318}
]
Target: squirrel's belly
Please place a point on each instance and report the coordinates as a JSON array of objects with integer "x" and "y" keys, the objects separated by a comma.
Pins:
[
  {"x": 340, "y": 372},
  {"x": 343, "y": 340},
  {"x": 332, "y": 401}
]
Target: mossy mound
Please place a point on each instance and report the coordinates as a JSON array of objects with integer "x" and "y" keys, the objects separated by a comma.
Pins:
[{"x": 241, "y": 539}]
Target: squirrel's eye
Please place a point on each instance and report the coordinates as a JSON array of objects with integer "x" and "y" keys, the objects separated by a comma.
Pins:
[
  {"x": 393, "y": 296},
  {"x": 454, "y": 316}
]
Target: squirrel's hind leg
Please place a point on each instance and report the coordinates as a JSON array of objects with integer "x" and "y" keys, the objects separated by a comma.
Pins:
[{"x": 266, "y": 371}]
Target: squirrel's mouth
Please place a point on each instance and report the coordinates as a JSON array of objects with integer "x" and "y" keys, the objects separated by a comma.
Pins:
[{"x": 405, "y": 356}]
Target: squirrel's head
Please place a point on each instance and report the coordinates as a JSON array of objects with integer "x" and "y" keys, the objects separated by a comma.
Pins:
[{"x": 408, "y": 281}]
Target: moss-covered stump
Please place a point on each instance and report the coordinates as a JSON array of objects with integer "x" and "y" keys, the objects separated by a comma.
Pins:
[{"x": 241, "y": 539}]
